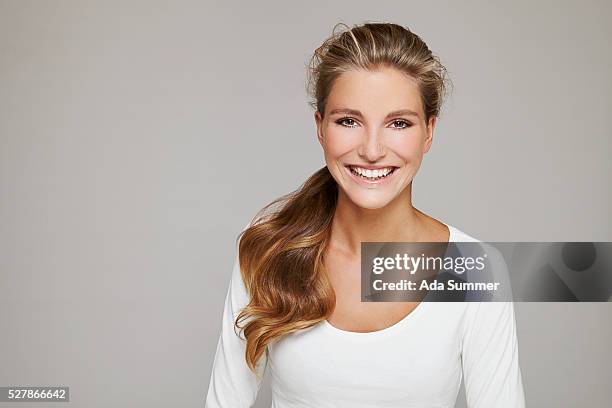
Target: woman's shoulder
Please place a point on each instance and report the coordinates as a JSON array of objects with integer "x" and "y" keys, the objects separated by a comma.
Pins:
[
  {"x": 439, "y": 227},
  {"x": 457, "y": 235}
]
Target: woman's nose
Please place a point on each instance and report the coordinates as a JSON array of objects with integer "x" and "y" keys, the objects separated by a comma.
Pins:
[{"x": 372, "y": 148}]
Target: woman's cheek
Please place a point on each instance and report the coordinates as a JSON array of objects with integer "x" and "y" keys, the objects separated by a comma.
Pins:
[
  {"x": 339, "y": 143},
  {"x": 408, "y": 149}
]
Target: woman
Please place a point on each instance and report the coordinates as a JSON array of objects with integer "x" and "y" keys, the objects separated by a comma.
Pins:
[{"x": 295, "y": 286}]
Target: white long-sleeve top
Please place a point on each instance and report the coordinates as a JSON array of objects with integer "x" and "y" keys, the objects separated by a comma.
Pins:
[{"x": 417, "y": 362}]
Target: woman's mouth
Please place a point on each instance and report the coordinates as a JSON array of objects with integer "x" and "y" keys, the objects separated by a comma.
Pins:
[{"x": 371, "y": 176}]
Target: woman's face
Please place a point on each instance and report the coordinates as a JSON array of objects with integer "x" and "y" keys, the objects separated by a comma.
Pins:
[{"x": 374, "y": 134}]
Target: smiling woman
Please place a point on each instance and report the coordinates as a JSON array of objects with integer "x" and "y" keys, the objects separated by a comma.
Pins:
[
  {"x": 389, "y": 131},
  {"x": 295, "y": 287}
]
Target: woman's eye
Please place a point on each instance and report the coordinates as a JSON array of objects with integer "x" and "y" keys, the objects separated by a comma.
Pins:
[
  {"x": 349, "y": 122},
  {"x": 344, "y": 120},
  {"x": 403, "y": 124}
]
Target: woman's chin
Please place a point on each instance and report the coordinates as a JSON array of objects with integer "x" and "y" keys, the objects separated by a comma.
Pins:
[{"x": 374, "y": 202}]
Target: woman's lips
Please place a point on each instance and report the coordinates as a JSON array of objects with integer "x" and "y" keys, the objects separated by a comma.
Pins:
[
  {"x": 369, "y": 167},
  {"x": 363, "y": 181}
]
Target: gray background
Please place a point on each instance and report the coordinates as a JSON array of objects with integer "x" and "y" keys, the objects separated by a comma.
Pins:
[{"x": 138, "y": 138}]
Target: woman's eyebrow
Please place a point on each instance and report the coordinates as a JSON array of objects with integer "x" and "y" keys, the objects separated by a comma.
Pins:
[{"x": 355, "y": 112}]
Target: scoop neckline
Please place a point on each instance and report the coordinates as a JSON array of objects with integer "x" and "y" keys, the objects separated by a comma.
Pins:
[{"x": 414, "y": 314}]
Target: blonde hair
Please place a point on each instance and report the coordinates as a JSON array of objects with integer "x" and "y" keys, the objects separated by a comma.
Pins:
[
  {"x": 372, "y": 46},
  {"x": 282, "y": 252}
]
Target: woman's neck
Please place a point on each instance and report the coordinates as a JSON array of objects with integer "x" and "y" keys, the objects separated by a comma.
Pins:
[{"x": 397, "y": 221}]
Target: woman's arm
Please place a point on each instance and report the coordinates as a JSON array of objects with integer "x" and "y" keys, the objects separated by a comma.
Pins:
[
  {"x": 232, "y": 384},
  {"x": 490, "y": 360}
]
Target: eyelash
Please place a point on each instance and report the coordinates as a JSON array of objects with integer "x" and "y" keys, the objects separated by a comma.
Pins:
[{"x": 407, "y": 124}]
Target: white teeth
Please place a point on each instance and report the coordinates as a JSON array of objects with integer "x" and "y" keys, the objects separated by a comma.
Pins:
[{"x": 372, "y": 174}]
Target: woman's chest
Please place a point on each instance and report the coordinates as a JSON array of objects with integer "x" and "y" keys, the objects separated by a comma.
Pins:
[
  {"x": 418, "y": 361},
  {"x": 353, "y": 314}
]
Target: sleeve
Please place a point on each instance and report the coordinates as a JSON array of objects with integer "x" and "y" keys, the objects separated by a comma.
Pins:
[
  {"x": 232, "y": 383},
  {"x": 489, "y": 355}
]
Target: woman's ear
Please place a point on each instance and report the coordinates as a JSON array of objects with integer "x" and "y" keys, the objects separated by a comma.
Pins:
[
  {"x": 319, "y": 123},
  {"x": 431, "y": 124}
]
